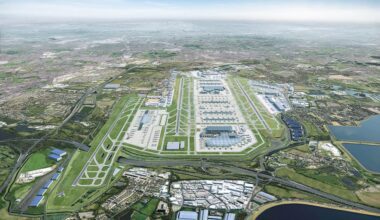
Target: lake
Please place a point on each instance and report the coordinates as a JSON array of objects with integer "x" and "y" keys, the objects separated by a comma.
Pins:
[
  {"x": 309, "y": 212},
  {"x": 367, "y": 131},
  {"x": 367, "y": 155}
]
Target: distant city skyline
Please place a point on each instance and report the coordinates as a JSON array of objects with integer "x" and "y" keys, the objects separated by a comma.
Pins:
[{"x": 270, "y": 10}]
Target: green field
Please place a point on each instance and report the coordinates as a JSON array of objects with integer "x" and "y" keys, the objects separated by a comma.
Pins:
[
  {"x": 38, "y": 160},
  {"x": 329, "y": 188}
]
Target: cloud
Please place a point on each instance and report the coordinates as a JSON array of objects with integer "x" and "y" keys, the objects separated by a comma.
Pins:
[{"x": 218, "y": 10}]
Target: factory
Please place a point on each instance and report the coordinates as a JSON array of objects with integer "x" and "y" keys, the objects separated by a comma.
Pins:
[{"x": 263, "y": 197}]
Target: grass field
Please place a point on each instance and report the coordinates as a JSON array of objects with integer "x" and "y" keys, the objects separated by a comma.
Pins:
[
  {"x": 38, "y": 160},
  {"x": 287, "y": 193},
  {"x": 148, "y": 208},
  {"x": 332, "y": 189}
]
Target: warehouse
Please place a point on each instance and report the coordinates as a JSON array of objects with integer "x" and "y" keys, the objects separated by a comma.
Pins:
[
  {"x": 48, "y": 184},
  {"x": 55, "y": 176},
  {"x": 55, "y": 157},
  {"x": 187, "y": 215},
  {"x": 41, "y": 192},
  {"x": 36, "y": 201}
]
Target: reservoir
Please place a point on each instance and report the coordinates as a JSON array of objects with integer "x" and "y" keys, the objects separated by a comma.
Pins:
[
  {"x": 367, "y": 155},
  {"x": 309, "y": 212},
  {"x": 367, "y": 131}
]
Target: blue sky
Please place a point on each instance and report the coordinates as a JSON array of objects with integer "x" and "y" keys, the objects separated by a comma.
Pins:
[{"x": 275, "y": 10}]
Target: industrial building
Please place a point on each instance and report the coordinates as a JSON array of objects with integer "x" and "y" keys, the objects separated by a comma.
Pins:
[
  {"x": 41, "y": 192},
  {"x": 48, "y": 184},
  {"x": 187, "y": 215},
  {"x": 212, "y": 194},
  {"x": 55, "y": 176},
  {"x": 263, "y": 197},
  {"x": 36, "y": 201}
]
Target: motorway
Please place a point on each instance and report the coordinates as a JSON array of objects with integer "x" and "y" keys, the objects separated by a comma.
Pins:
[{"x": 252, "y": 173}]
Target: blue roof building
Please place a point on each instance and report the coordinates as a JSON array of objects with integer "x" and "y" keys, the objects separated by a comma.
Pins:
[
  {"x": 55, "y": 157},
  {"x": 47, "y": 184},
  {"x": 60, "y": 169},
  {"x": 55, "y": 176},
  {"x": 187, "y": 215},
  {"x": 58, "y": 152},
  {"x": 41, "y": 192},
  {"x": 36, "y": 201}
]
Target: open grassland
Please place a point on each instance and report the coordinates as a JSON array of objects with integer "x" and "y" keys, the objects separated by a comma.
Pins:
[
  {"x": 370, "y": 198},
  {"x": 38, "y": 160},
  {"x": 329, "y": 188}
]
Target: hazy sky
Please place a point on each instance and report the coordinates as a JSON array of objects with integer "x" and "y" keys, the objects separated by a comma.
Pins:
[{"x": 273, "y": 10}]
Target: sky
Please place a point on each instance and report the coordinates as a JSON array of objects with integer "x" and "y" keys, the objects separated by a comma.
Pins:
[{"x": 263, "y": 10}]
